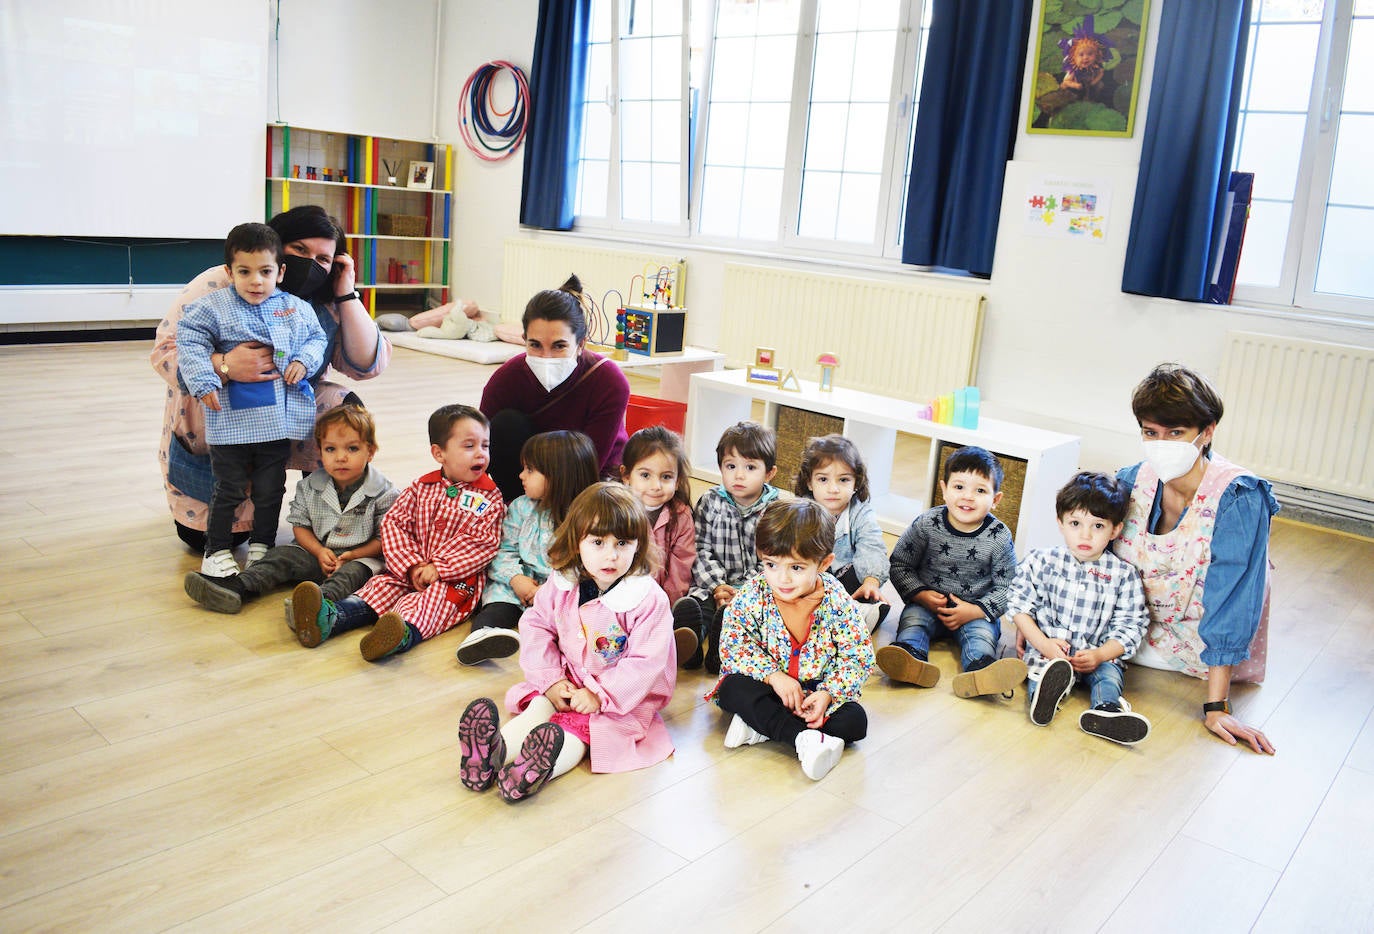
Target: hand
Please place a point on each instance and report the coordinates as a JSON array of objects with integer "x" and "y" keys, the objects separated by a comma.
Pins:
[
  {"x": 251, "y": 362},
  {"x": 954, "y": 617},
  {"x": 422, "y": 575},
  {"x": 525, "y": 588},
  {"x": 1057, "y": 648},
  {"x": 329, "y": 562},
  {"x": 1230, "y": 729},
  {"x": 584, "y": 700},
  {"x": 1086, "y": 660},
  {"x": 932, "y": 600},
  {"x": 210, "y": 400},
  {"x": 723, "y": 594},
  {"x": 344, "y": 274},
  {"x": 294, "y": 373},
  {"x": 870, "y": 591},
  {"x": 1021, "y": 644},
  {"x": 813, "y": 708},
  {"x": 558, "y": 694},
  {"x": 787, "y": 689}
]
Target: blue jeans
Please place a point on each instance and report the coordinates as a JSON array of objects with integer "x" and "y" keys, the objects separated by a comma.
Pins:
[
  {"x": 917, "y": 627},
  {"x": 1104, "y": 684}
]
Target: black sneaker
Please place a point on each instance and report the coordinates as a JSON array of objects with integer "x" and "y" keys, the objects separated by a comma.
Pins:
[
  {"x": 1115, "y": 722},
  {"x": 221, "y": 594},
  {"x": 1050, "y": 691}
]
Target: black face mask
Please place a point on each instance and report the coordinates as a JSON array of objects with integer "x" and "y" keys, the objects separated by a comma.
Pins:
[{"x": 304, "y": 278}]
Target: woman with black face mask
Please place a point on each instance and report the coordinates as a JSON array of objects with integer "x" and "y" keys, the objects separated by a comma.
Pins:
[{"x": 317, "y": 270}]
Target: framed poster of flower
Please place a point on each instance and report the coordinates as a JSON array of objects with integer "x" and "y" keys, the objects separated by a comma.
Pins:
[{"x": 1087, "y": 71}]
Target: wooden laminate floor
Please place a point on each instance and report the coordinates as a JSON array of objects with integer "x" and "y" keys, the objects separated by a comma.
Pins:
[{"x": 163, "y": 767}]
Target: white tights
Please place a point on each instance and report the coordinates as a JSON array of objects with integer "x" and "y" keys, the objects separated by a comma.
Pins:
[{"x": 539, "y": 711}]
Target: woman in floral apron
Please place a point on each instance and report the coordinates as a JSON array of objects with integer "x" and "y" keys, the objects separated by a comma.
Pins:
[{"x": 1198, "y": 530}]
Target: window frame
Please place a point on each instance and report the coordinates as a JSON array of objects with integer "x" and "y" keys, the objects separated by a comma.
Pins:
[{"x": 1296, "y": 289}]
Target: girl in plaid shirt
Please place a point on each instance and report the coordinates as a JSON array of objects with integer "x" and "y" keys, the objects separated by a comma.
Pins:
[
  {"x": 1081, "y": 611},
  {"x": 597, "y": 651}
]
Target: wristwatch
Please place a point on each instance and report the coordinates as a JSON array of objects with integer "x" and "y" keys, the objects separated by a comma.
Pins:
[
  {"x": 224, "y": 364},
  {"x": 1223, "y": 705},
  {"x": 339, "y": 299}
]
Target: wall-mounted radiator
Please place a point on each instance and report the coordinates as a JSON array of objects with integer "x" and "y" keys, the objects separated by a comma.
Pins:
[
  {"x": 1299, "y": 411},
  {"x": 911, "y": 341},
  {"x": 534, "y": 265}
]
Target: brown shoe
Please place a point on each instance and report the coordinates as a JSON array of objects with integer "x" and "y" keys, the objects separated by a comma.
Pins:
[
  {"x": 306, "y": 601},
  {"x": 389, "y": 636},
  {"x": 900, "y": 665},
  {"x": 686, "y": 642},
  {"x": 998, "y": 678}
]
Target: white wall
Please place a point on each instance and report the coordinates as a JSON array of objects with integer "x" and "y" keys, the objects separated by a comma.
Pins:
[{"x": 1062, "y": 345}]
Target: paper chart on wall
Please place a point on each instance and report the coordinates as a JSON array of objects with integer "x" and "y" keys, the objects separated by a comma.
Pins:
[{"x": 1068, "y": 208}]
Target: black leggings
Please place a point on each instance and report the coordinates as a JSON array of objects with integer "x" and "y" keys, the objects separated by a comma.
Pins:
[
  {"x": 510, "y": 429},
  {"x": 759, "y": 706}
]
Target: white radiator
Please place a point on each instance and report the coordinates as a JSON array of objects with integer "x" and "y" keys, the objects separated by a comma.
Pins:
[
  {"x": 1301, "y": 412},
  {"x": 910, "y": 341},
  {"x": 534, "y": 265}
]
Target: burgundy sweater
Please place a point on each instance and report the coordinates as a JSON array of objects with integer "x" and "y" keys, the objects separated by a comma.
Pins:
[{"x": 596, "y": 407}]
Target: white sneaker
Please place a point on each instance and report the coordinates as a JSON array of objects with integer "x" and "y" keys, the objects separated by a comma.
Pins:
[
  {"x": 484, "y": 644},
  {"x": 874, "y": 614},
  {"x": 256, "y": 552},
  {"x": 740, "y": 734},
  {"x": 1123, "y": 726},
  {"x": 819, "y": 753},
  {"x": 290, "y": 615},
  {"x": 219, "y": 564}
]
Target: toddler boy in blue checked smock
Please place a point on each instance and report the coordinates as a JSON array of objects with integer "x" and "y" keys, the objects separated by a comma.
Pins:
[
  {"x": 1081, "y": 611},
  {"x": 249, "y": 427}
]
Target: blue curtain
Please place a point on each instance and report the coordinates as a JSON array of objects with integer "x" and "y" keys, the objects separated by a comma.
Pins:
[
  {"x": 965, "y": 132},
  {"x": 1185, "y": 160},
  {"x": 558, "y": 76}
]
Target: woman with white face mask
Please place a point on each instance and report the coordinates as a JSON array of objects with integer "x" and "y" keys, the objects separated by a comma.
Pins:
[
  {"x": 556, "y": 384},
  {"x": 1198, "y": 531}
]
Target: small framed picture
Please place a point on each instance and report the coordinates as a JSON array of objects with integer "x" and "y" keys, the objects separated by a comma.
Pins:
[
  {"x": 421, "y": 175},
  {"x": 763, "y": 356},
  {"x": 764, "y": 375}
]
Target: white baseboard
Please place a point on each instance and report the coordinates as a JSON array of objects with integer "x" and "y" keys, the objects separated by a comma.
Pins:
[{"x": 56, "y": 307}]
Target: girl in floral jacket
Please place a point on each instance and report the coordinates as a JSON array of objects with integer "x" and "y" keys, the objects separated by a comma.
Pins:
[
  {"x": 597, "y": 651},
  {"x": 795, "y": 650}
]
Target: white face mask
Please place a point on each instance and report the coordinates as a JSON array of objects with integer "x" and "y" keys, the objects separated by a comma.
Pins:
[
  {"x": 1170, "y": 459},
  {"x": 551, "y": 371}
]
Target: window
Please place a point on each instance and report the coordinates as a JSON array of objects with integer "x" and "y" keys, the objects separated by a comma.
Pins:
[
  {"x": 772, "y": 122},
  {"x": 1306, "y": 130}
]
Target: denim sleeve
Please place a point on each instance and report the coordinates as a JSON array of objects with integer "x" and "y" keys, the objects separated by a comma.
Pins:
[{"x": 1233, "y": 597}]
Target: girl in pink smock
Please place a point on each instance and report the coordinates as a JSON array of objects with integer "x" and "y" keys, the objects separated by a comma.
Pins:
[{"x": 597, "y": 652}]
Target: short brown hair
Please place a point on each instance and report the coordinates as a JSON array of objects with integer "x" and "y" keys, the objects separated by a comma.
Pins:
[
  {"x": 751, "y": 441},
  {"x": 444, "y": 418},
  {"x": 1176, "y": 397},
  {"x": 1097, "y": 494},
  {"x": 350, "y": 416},
  {"x": 798, "y": 527},
  {"x": 823, "y": 450},
  {"x": 607, "y": 509}
]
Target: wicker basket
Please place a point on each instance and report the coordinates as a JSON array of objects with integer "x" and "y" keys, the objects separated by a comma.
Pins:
[{"x": 402, "y": 225}]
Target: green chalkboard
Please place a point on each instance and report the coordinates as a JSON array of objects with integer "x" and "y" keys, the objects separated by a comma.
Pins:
[{"x": 105, "y": 260}]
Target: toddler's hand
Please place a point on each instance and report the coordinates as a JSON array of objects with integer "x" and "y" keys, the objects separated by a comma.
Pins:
[
  {"x": 294, "y": 373},
  {"x": 558, "y": 694},
  {"x": 210, "y": 400},
  {"x": 584, "y": 700},
  {"x": 723, "y": 594},
  {"x": 869, "y": 591},
  {"x": 329, "y": 562},
  {"x": 961, "y": 612},
  {"x": 422, "y": 575},
  {"x": 813, "y": 708},
  {"x": 787, "y": 689},
  {"x": 1085, "y": 661},
  {"x": 525, "y": 588},
  {"x": 1058, "y": 648}
]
